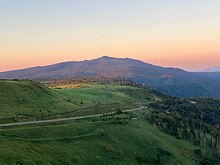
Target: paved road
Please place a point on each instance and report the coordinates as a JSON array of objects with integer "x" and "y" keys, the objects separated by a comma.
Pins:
[{"x": 64, "y": 119}]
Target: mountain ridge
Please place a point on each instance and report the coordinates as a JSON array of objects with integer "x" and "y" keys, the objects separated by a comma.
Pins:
[
  {"x": 171, "y": 81},
  {"x": 65, "y": 65}
]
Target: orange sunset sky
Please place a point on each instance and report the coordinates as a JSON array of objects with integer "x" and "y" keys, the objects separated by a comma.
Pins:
[{"x": 184, "y": 34}]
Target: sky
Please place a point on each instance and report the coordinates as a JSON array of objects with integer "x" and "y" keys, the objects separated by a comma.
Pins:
[{"x": 171, "y": 33}]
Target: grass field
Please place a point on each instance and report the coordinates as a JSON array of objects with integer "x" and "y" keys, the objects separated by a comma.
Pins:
[
  {"x": 107, "y": 140},
  {"x": 120, "y": 138},
  {"x": 28, "y": 100}
]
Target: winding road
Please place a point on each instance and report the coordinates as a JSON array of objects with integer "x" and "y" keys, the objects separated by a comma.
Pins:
[{"x": 66, "y": 119}]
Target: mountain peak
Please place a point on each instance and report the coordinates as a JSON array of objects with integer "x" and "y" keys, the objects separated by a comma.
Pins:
[{"x": 106, "y": 57}]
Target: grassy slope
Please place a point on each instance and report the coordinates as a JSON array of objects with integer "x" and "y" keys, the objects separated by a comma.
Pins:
[
  {"x": 22, "y": 97},
  {"x": 30, "y": 100},
  {"x": 95, "y": 141},
  {"x": 80, "y": 142}
]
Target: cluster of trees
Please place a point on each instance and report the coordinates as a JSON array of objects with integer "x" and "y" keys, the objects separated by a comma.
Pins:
[
  {"x": 91, "y": 79},
  {"x": 194, "y": 120}
]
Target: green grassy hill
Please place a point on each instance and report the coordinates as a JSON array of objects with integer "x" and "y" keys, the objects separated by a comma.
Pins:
[
  {"x": 26, "y": 99},
  {"x": 100, "y": 141},
  {"x": 119, "y": 138},
  {"x": 29, "y": 100}
]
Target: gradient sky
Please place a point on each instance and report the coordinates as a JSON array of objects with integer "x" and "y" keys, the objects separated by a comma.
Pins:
[{"x": 178, "y": 33}]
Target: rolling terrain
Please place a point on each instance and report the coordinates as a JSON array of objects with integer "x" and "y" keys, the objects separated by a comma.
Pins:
[
  {"x": 171, "y": 81},
  {"x": 28, "y": 100},
  {"x": 146, "y": 135},
  {"x": 105, "y": 140}
]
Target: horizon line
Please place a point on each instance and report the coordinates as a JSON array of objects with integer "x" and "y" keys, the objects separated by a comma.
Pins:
[{"x": 103, "y": 56}]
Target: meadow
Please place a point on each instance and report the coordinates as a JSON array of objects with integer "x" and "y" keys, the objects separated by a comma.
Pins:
[
  {"x": 115, "y": 138},
  {"x": 118, "y": 139},
  {"x": 29, "y": 100}
]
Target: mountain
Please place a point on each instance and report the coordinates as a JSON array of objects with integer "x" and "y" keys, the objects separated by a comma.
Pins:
[
  {"x": 172, "y": 81},
  {"x": 104, "y": 66},
  {"x": 213, "y": 69}
]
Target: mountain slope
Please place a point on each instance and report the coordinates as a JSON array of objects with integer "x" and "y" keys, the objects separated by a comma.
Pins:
[
  {"x": 104, "y": 66},
  {"x": 164, "y": 79},
  {"x": 100, "y": 142}
]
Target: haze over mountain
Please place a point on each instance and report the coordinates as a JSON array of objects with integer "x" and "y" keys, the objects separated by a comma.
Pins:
[
  {"x": 172, "y": 81},
  {"x": 212, "y": 69}
]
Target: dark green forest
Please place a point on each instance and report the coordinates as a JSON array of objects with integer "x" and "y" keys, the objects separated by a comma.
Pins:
[{"x": 194, "y": 120}]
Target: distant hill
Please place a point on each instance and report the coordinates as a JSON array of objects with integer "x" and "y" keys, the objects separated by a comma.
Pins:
[
  {"x": 213, "y": 69},
  {"x": 172, "y": 81}
]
